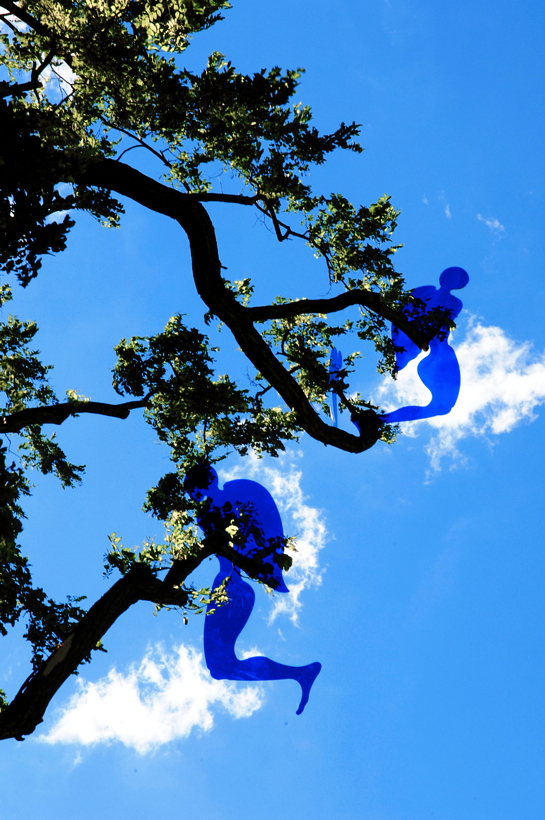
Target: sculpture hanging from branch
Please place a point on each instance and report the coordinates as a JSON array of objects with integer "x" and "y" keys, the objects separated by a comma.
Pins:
[
  {"x": 254, "y": 523},
  {"x": 439, "y": 371}
]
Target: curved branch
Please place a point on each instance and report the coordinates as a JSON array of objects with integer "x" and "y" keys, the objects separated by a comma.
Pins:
[
  {"x": 25, "y": 17},
  {"x": 58, "y": 413},
  {"x": 366, "y": 298},
  {"x": 193, "y": 218}
]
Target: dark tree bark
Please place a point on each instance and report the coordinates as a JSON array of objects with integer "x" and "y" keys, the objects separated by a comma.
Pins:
[
  {"x": 27, "y": 709},
  {"x": 194, "y": 219},
  {"x": 58, "y": 413}
]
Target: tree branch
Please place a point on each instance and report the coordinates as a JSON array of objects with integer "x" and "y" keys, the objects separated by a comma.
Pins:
[
  {"x": 193, "y": 218},
  {"x": 236, "y": 199},
  {"x": 58, "y": 413},
  {"x": 366, "y": 298},
  {"x": 25, "y": 17},
  {"x": 139, "y": 140},
  {"x": 214, "y": 544},
  {"x": 7, "y": 90},
  {"x": 28, "y": 707},
  {"x": 270, "y": 212}
]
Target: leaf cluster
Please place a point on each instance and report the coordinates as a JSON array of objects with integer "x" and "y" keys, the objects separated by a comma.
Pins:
[
  {"x": 34, "y": 215},
  {"x": 47, "y": 623},
  {"x": 197, "y": 413},
  {"x": 23, "y": 384},
  {"x": 181, "y": 540}
]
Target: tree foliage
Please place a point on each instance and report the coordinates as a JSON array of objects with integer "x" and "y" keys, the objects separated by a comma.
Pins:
[{"x": 83, "y": 83}]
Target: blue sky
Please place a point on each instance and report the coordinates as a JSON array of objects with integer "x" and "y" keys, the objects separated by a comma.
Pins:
[{"x": 421, "y": 565}]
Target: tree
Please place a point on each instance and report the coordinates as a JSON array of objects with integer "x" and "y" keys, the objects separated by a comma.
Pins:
[{"x": 85, "y": 83}]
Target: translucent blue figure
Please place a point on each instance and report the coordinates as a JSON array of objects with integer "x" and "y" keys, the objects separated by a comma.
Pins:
[
  {"x": 335, "y": 364},
  {"x": 439, "y": 371},
  {"x": 243, "y": 499}
]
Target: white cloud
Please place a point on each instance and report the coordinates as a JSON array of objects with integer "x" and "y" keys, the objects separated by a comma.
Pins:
[
  {"x": 503, "y": 382},
  {"x": 442, "y": 198},
  {"x": 59, "y": 80},
  {"x": 167, "y": 695},
  {"x": 64, "y": 189},
  {"x": 298, "y": 518},
  {"x": 494, "y": 224},
  {"x": 160, "y": 699},
  {"x": 19, "y": 25}
]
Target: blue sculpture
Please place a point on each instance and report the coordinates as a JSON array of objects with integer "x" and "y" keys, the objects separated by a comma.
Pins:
[
  {"x": 439, "y": 371},
  {"x": 253, "y": 511},
  {"x": 335, "y": 364}
]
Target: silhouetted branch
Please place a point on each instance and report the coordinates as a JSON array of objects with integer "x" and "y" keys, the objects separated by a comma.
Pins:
[
  {"x": 28, "y": 707},
  {"x": 193, "y": 218},
  {"x": 365, "y": 298},
  {"x": 25, "y": 17},
  {"x": 58, "y": 413}
]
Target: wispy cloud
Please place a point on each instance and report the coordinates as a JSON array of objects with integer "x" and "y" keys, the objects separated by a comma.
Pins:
[
  {"x": 442, "y": 198},
  {"x": 162, "y": 698},
  {"x": 494, "y": 224},
  {"x": 503, "y": 382},
  {"x": 305, "y": 522}
]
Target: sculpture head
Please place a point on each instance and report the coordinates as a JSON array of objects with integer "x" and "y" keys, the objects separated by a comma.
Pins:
[
  {"x": 201, "y": 481},
  {"x": 454, "y": 278}
]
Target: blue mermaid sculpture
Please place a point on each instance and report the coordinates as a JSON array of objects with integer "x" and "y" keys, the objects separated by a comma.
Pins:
[
  {"x": 439, "y": 370},
  {"x": 253, "y": 509}
]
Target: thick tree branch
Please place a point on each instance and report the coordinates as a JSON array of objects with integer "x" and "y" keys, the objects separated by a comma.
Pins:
[
  {"x": 193, "y": 218},
  {"x": 58, "y": 413},
  {"x": 235, "y": 199},
  {"x": 14, "y": 90},
  {"x": 25, "y": 17},
  {"x": 28, "y": 707},
  {"x": 365, "y": 298}
]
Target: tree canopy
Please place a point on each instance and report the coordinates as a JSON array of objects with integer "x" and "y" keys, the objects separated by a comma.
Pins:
[{"x": 83, "y": 83}]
